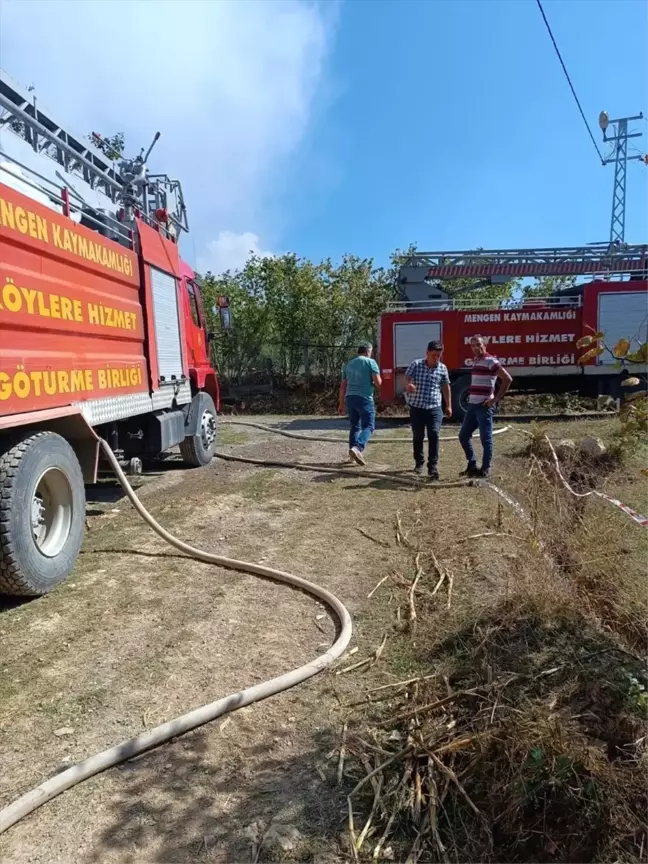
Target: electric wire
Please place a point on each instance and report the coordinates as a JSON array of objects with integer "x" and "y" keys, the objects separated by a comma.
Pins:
[{"x": 569, "y": 81}]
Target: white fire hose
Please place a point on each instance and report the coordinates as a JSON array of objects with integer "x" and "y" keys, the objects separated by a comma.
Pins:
[
  {"x": 376, "y": 440},
  {"x": 35, "y": 798},
  {"x": 49, "y": 789}
]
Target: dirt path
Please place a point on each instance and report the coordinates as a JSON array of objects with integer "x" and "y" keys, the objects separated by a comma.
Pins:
[{"x": 139, "y": 635}]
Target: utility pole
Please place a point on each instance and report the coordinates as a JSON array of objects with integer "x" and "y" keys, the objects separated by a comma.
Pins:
[{"x": 619, "y": 155}]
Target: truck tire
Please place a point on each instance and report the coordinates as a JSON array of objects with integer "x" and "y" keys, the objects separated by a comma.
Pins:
[
  {"x": 42, "y": 514},
  {"x": 198, "y": 449},
  {"x": 460, "y": 389}
]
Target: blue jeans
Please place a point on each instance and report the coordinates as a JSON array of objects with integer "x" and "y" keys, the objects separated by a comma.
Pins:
[
  {"x": 362, "y": 417},
  {"x": 477, "y": 417}
]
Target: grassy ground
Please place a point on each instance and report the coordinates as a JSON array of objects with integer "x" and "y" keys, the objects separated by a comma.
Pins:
[
  {"x": 139, "y": 634},
  {"x": 530, "y": 741}
]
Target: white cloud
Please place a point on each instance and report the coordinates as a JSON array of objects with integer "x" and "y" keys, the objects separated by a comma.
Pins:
[
  {"x": 230, "y": 251},
  {"x": 229, "y": 84}
]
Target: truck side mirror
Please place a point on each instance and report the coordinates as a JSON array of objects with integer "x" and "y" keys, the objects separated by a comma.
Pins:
[{"x": 223, "y": 311}]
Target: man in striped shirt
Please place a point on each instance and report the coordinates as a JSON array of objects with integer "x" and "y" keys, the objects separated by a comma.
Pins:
[{"x": 482, "y": 399}]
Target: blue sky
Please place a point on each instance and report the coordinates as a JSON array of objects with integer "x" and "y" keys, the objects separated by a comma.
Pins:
[
  {"x": 454, "y": 126},
  {"x": 353, "y": 126}
]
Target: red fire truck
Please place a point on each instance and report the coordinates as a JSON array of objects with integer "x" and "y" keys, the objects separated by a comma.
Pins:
[
  {"x": 102, "y": 330},
  {"x": 536, "y": 338}
]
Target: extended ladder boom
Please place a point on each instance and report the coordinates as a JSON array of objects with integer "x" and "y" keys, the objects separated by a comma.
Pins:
[
  {"x": 599, "y": 258},
  {"x": 128, "y": 186}
]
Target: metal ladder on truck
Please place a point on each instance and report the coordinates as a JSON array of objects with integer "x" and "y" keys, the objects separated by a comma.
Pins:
[
  {"x": 65, "y": 171},
  {"x": 420, "y": 271}
]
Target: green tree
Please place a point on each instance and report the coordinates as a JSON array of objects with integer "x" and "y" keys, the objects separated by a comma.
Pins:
[
  {"x": 293, "y": 317},
  {"x": 545, "y": 286},
  {"x": 111, "y": 145}
]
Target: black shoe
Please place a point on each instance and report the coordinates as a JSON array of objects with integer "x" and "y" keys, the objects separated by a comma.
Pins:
[
  {"x": 471, "y": 471},
  {"x": 484, "y": 474},
  {"x": 433, "y": 474},
  {"x": 418, "y": 469}
]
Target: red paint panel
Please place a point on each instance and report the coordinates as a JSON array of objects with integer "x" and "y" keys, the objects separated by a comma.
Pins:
[
  {"x": 10, "y": 421},
  {"x": 157, "y": 250},
  {"x": 24, "y": 222},
  {"x": 71, "y": 323},
  {"x": 153, "y": 372}
]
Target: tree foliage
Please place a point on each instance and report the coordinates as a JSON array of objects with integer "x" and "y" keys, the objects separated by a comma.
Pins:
[
  {"x": 293, "y": 316},
  {"x": 111, "y": 145},
  {"x": 633, "y": 412}
]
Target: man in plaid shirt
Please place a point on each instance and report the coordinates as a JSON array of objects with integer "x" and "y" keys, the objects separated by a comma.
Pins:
[{"x": 426, "y": 382}]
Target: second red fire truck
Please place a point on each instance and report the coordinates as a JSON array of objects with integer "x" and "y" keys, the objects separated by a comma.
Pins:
[{"x": 536, "y": 339}]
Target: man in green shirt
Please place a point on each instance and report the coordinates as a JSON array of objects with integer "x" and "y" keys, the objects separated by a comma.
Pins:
[{"x": 359, "y": 377}]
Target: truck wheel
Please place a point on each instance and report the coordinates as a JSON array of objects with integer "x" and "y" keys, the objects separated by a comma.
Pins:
[
  {"x": 460, "y": 391},
  {"x": 198, "y": 449},
  {"x": 42, "y": 514}
]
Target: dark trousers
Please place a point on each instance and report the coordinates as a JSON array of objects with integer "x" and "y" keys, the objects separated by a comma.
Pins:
[
  {"x": 478, "y": 417},
  {"x": 426, "y": 420}
]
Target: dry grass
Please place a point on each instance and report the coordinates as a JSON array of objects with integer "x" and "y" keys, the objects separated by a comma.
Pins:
[{"x": 521, "y": 736}]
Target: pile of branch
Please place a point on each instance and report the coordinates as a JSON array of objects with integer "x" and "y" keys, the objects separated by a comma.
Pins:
[
  {"x": 409, "y": 771},
  {"x": 494, "y": 762}
]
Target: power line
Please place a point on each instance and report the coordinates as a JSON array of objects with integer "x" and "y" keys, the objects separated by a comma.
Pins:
[{"x": 562, "y": 63}]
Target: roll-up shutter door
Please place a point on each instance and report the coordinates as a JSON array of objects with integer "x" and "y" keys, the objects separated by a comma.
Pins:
[
  {"x": 623, "y": 315},
  {"x": 167, "y": 324},
  {"x": 411, "y": 341}
]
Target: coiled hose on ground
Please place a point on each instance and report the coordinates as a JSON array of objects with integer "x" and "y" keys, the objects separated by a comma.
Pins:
[
  {"x": 49, "y": 789},
  {"x": 35, "y": 798}
]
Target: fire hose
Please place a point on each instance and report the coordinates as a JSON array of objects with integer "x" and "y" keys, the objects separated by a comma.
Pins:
[
  {"x": 49, "y": 789},
  {"x": 329, "y": 440},
  {"x": 93, "y": 765}
]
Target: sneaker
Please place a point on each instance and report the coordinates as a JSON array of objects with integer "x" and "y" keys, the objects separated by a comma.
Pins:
[
  {"x": 433, "y": 474},
  {"x": 484, "y": 473},
  {"x": 418, "y": 469},
  {"x": 350, "y": 459},
  {"x": 471, "y": 471},
  {"x": 357, "y": 456}
]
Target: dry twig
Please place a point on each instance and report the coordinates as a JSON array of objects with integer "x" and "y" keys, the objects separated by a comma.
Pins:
[
  {"x": 372, "y": 813},
  {"x": 412, "y": 591},
  {"x": 340, "y": 766},
  {"x": 377, "y": 586},
  {"x": 374, "y": 539},
  {"x": 401, "y": 537},
  {"x": 352, "y": 839},
  {"x": 450, "y": 586},
  {"x": 368, "y": 661},
  {"x": 431, "y": 706}
]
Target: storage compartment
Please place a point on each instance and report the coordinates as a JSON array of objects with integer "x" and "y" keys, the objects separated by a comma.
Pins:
[
  {"x": 167, "y": 325},
  {"x": 411, "y": 340},
  {"x": 622, "y": 315}
]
